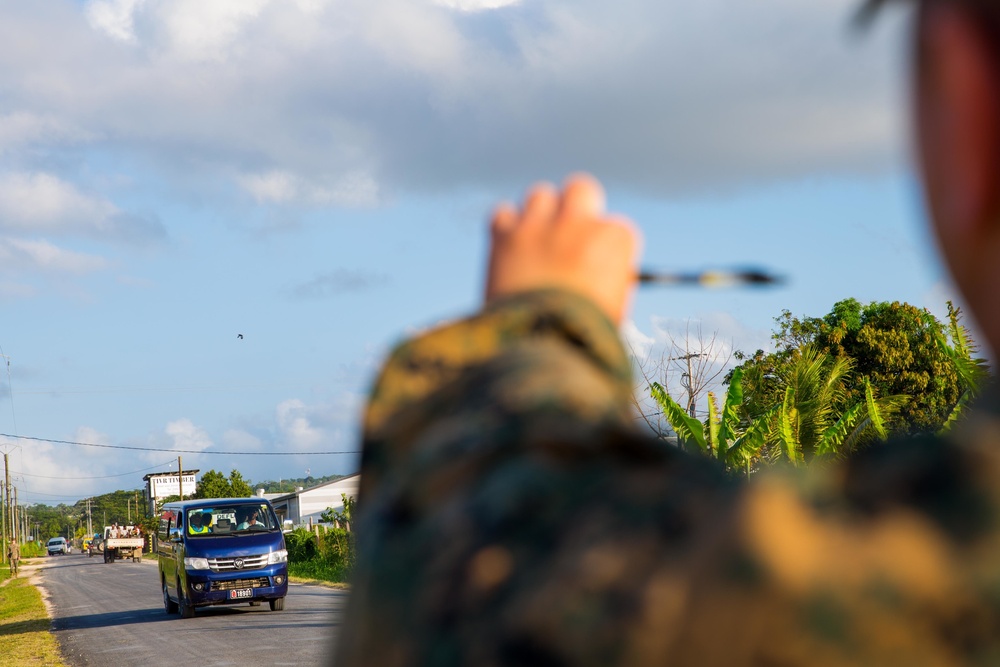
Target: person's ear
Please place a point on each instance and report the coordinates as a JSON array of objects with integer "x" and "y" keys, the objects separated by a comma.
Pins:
[{"x": 958, "y": 120}]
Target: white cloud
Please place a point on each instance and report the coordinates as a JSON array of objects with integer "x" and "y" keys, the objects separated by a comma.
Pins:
[
  {"x": 20, "y": 255},
  {"x": 296, "y": 427},
  {"x": 183, "y": 434},
  {"x": 91, "y": 435},
  {"x": 42, "y": 203},
  {"x": 637, "y": 342},
  {"x": 278, "y": 187},
  {"x": 476, "y": 5},
  {"x": 714, "y": 336},
  {"x": 202, "y": 31},
  {"x": 23, "y": 128},
  {"x": 662, "y": 97},
  {"x": 115, "y": 18}
]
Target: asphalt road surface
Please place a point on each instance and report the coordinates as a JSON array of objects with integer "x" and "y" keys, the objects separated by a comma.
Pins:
[{"x": 111, "y": 614}]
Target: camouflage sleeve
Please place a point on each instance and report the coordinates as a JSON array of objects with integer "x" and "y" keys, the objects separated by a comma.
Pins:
[
  {"x": 546, "y": 349},
  {"x": 509, "y": 515}
]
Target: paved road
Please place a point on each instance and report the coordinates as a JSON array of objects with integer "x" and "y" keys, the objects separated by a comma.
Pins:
[{"x": 112, "y": 614}]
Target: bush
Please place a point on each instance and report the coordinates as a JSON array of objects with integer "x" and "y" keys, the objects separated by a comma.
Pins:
[
  {"x": 32, "y": 550},
  {"x": 301, "y": 546},
  {"x": 330, "y": 558}
]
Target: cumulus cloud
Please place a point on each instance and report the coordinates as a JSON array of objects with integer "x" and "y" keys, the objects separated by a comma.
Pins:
[
  {"x": 476, "y": 5},
  {"x": 353, "y": 189},
  {"x": 367, "y": 98},
  {"x": 18, "y": 255},
  {"x": 711, "y": 339},
  {"x": 183, "y": 434},
  {"x": 295, "y": 422},
  {"x": 44, "y": 203},
  {"x": 115, "y": 18},
  {"x": 24, "y": 128}
]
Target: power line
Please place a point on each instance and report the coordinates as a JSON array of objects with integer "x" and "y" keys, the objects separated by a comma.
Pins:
[
  {"x": 179, "y": 451},
  {"x": 124, "y": 474}
]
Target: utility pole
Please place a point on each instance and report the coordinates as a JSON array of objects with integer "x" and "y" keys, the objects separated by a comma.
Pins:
[
  {"x": 3, "y": 521},
  {"x": 17, "y": 524},
  {"x": 180, "y": 478},
  {"x": 687, "y": 381},
  {"x": 8, "y": 526}
]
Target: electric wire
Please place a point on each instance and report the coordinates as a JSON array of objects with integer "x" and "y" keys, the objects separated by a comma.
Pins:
[
  {"x": 124, "y": 474},
  {"x": 207, "y": 452}
]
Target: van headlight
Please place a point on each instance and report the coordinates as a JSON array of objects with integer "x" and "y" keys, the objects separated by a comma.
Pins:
[
  {"x": 196, "y": 563},
  {"x": 279, "y": 556}
]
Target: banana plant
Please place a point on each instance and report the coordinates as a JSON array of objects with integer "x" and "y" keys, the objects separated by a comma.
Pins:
[
  {"x": 721, "y": 436},
  {"x": 973, "y": 373}
]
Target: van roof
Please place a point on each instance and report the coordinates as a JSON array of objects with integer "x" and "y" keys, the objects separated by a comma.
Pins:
[{"x": 212, "y": 502}]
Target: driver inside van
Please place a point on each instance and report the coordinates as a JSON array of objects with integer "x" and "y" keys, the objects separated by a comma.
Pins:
[{"x": 250, "y": 521}]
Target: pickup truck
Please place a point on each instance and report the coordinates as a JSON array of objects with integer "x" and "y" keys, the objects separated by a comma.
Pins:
[{"x": 118, "y": 548}]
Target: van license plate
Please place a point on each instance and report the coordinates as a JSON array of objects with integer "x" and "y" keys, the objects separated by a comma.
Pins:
[{"x": 242, "y": 593}]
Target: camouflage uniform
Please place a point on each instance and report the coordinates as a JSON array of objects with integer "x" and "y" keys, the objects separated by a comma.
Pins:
[{"x": 510, "y": 515}]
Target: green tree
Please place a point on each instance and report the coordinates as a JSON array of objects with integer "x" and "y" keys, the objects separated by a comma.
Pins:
[
  {"x": 214, "y": 484},
  {"x": 898, "y": 349}
]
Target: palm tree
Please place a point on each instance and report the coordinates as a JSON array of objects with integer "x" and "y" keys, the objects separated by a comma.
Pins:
[
  {"x": 973, "y": 373},
  {"x": 810, "y": 422}
]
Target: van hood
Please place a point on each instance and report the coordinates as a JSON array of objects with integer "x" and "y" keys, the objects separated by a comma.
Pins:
[{"x": 249, "y": 544}]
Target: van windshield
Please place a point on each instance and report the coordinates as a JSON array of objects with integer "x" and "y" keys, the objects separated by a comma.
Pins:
[{"x": 230, "y": 520}]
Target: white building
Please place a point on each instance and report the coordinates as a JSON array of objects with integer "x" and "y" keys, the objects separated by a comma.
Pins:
[{"x": 304, "y": 506}]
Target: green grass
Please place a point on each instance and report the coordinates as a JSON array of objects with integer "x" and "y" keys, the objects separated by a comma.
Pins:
[
  {"x": 318, "y": 570},
  {"x": 25, "y": 638}
]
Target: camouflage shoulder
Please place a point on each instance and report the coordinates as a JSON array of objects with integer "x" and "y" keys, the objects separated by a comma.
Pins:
[{"x": 422, "y": 365}]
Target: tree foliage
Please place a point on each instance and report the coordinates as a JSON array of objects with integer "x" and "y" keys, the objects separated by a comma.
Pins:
[
  {"x": 214, "y": 484},
  {"x": 859, "y": 373},
  {"x": 894, "y": 349},
  {"x": 803, "y": 424}
]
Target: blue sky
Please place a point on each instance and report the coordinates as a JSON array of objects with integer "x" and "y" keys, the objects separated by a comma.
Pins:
[{"x": 316, "y": 175}]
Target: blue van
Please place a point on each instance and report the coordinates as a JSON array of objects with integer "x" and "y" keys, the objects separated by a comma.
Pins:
[{"x": 221, "y": 551}]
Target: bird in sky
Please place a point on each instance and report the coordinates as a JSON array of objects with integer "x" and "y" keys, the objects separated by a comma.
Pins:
[{"x": 240, "y": 336}]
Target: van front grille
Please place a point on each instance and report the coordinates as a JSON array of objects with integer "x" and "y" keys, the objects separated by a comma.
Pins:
[{"x": 236, "y": 564}]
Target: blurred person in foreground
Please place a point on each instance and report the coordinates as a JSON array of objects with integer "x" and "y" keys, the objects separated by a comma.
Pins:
[{"x": 510, "y": 515}]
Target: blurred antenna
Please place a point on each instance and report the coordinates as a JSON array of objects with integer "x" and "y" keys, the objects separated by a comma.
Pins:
[{"x": 748, "y": 277}]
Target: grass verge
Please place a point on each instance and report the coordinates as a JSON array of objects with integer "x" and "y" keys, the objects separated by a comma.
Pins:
[
  {"x": 25, "y": 638},
  {"x": 318, "y": 571}
]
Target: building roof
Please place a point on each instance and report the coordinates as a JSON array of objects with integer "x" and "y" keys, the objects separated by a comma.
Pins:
[
  {"x": 146, "y": 478},
  {"x": 285, "y": 496}
]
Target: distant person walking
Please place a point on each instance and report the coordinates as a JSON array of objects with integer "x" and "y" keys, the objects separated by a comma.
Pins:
[{"x": 14, "y": 556}]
